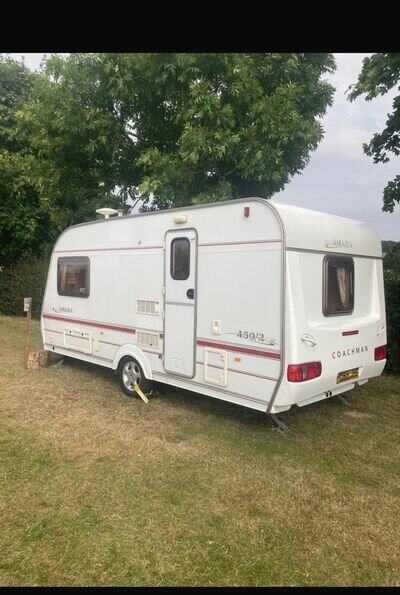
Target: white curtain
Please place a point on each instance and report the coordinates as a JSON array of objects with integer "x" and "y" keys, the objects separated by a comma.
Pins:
[
  {"x": 342, "y": 279},
  {"x": 63, "y": 276}
]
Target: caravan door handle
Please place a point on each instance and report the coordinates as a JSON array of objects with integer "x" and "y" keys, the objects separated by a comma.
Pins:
[{"x": 190, "y": 294}]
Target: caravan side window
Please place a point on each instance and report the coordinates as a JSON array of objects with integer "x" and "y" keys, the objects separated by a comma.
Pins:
[
  {"x": 338, "y": 285},
  {"x": 73, "y": 276},
  {"x": 180, "y": 259}
]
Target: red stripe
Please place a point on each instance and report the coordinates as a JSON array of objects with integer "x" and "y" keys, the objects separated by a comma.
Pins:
[
  {"x": 249, "y": 351},
  {"x": 347, "y": 333},
  {"x": 108, "y": 249},
  {"x": 122, "y": 329},
  {"x": 241, "y": 242}
]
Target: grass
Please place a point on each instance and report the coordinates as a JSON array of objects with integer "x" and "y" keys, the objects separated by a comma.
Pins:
[{"x": 100, "y": 489}]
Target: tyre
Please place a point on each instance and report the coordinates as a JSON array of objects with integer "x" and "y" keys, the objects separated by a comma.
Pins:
[{"x": 130, "y": 372}]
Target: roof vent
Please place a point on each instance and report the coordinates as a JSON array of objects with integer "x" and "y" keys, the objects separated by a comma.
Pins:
[{"x": 107, "y": 212}]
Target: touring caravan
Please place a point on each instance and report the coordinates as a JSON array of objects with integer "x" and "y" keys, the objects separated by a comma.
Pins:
[{"x": 262, "y": 304}]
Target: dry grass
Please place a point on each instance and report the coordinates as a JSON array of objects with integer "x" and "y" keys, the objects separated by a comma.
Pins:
[{"x": 100, "y": 489}]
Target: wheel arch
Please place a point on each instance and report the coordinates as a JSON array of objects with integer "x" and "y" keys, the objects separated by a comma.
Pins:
[{"x": 137, "y": 354}]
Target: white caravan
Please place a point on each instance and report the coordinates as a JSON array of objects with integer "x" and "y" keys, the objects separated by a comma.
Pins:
[{"x": 258, "y": 303}]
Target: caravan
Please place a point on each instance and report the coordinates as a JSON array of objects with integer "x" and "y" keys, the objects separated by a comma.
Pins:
[{"x": 262, "y": 304}]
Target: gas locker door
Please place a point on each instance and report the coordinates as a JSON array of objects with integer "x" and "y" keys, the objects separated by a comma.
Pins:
[{"x": 180, "y": 302}]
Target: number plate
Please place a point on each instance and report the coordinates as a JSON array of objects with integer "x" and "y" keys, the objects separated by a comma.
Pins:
[{"x": 347, "y": 375}]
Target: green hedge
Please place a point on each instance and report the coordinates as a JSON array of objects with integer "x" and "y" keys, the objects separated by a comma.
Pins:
[
  {"x": 27, "y": 278},
  {"x": 392, "y": 299}
]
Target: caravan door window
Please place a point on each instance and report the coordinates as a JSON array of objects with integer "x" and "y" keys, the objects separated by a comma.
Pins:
[
  {"x": 180, "y": 259},
  {"x": 73, "y": 276},
  {"x": 339, "y": 285}
]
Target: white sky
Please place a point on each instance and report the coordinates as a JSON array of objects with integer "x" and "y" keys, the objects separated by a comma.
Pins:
[{"x": 340, "y": 178}]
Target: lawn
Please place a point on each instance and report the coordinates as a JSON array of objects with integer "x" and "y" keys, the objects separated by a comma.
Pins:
[{"x": 100, "y": 489}]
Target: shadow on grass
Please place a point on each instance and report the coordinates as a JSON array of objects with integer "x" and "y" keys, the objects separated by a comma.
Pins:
[{"x": 205, "y": 406}]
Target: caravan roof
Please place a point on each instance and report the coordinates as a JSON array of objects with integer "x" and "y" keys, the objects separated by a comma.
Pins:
[{"x": 307, "y": 229}]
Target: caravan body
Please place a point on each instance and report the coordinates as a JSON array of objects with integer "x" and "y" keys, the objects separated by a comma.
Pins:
[{"x": 258, "y": 303}]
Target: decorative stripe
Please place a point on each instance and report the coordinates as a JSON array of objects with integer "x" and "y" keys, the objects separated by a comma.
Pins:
[
  {"x": 82, "y": 250},
  {"x": 111, "y": 327},
  {"x": 270, "y": 350},
  {"x": 249, "y": 351},
  {"x": 241, "y": 242}
]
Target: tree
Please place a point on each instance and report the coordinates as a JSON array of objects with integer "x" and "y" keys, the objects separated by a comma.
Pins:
[
  {"x": 82, "y": 150},
  {"x": 379, "y": 74},
  {"x": 23, "y": 225},
  {"x": 388, "y": 245},
  {"x": 171, "y": 129},
  {"x": 391, "y": 269}
]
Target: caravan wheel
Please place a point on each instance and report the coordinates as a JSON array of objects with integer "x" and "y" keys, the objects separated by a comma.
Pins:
[{"x": 130, "y": 373}]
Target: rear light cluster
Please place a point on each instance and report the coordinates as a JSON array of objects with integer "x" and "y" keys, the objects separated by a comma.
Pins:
[
  {"x": 380, "y": 353},
  {"x": 302, "y": 372}
]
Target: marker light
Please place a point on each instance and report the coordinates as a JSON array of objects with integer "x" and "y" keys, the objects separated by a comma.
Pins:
[
  {"x": 302, "y": 372},
  {"x": 380, "y": 353},
  {"x": 180, "y": 218}
]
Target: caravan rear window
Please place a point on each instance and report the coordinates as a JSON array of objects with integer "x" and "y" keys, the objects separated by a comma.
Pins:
[
  {"x": 73, "y": 276},
  {"x": 338, "y": 285}
]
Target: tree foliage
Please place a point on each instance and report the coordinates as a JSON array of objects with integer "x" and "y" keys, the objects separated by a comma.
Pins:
[
  {"x": 173, "y": 129},
  {"x": 232, "y": 125},
  {"x": 379, "y": 74},
  {"x": 391, "y": 268},
  {"x": 108, "y": 129},
  {"x": 388, "y": 245},
  {"x": 79, "y": 138},
  {"x": 23, "y": 224}
]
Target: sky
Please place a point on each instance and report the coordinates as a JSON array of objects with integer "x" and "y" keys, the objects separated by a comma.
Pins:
[{"x": 339, "y": 177}]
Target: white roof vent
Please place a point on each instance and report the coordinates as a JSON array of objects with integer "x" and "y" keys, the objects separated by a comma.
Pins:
[{"x": 107, "y": 212}]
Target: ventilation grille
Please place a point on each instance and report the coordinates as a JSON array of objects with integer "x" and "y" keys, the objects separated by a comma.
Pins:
[
  {"x": 147, "y": 307},
  {"x": 148, "y": 339}
]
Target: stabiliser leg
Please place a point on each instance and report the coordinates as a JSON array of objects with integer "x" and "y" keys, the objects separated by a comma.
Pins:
[
  {"x": 279, "y": 424},
  {"x": 343, "y": 400}
]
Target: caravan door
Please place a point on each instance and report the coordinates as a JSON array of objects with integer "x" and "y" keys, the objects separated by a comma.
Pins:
[{"x": 180, "y": 302}]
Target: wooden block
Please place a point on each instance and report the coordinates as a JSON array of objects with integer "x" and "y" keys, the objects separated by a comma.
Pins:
[{"x": 38, "y": 359}]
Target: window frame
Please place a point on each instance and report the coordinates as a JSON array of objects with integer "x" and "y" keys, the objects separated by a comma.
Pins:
[
  {"x": 79, "y": 260},
  {"x": 187, "y": 241},
  {"x": 337, "y": 258}
]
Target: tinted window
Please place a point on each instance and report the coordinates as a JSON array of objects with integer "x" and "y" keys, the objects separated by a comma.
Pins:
[
  {"x": 339, "y": 285},
  {"x": 180, "y": 259},
  {"x": 73, "y": 276}
]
